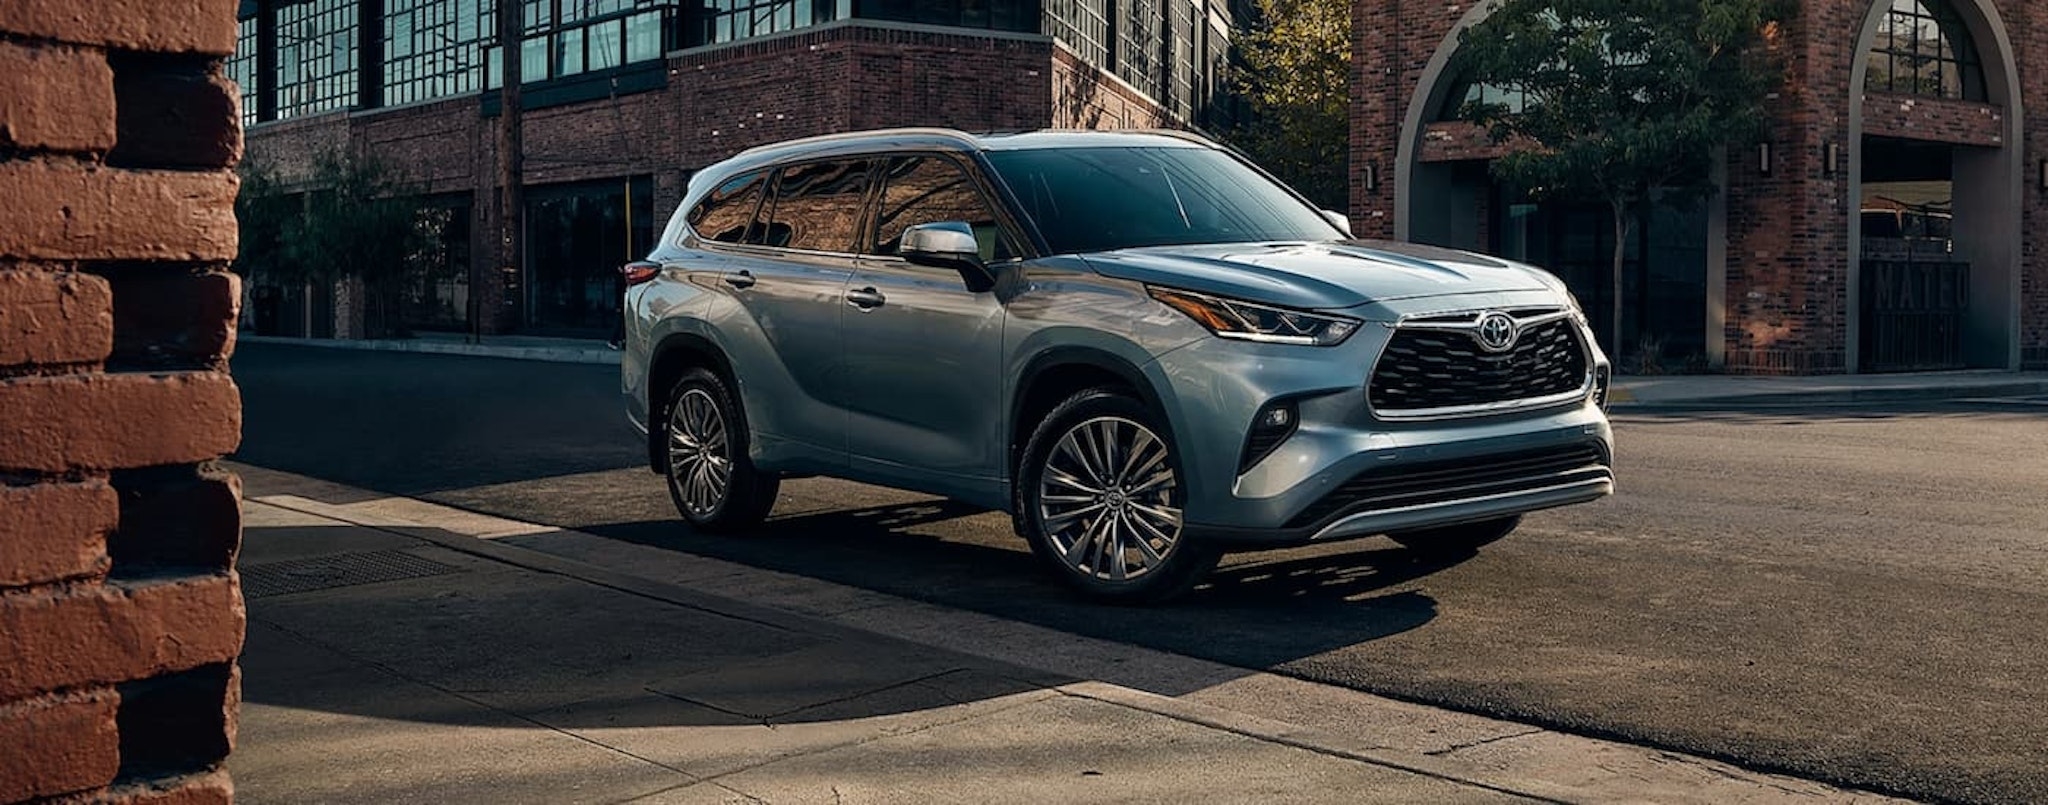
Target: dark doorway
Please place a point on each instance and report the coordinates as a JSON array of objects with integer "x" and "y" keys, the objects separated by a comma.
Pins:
[
  {"x": 577, "y": 235},
  {"x": 1915, "y": 290},
  {"x": 1664, "y": 290}
]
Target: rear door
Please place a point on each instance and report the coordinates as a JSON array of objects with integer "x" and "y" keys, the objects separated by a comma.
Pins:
[{"x": 785, "y": 279}]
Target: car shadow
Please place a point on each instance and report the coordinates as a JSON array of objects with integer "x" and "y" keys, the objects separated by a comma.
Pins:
[{"x": 1327, "y": 597}]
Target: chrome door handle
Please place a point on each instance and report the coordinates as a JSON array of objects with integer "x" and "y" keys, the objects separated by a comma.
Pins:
[
  {"x": 740, "y": 279},
  {"x": 866, "y": 298}
]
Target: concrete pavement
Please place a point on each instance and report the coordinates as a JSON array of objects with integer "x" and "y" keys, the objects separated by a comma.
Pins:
[{"x": 403, "y": 651}]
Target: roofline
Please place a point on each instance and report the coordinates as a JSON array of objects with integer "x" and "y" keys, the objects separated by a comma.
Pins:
[{"x": 957, "y": 135}]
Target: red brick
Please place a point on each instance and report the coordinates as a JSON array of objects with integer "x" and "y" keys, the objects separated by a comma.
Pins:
[
  {"x": 55, "y": 97},
  {"x": 58, "y": 744},
  {"x": 211, "y": 788},
  {"x": 104, "y": 634},
  {"x": 176, "y": 517},
  {"x": 54, "y": 317},
  {"x": 99, "y": 422},
  {"x": 170, "y": 318},
  {"x": 163, "y": 26},
  {"x": 70, "y": 211},
  {"x": 176, "y": 115},
  {"x": 55, "y": 531},
  {"x": 1935, "y": 119}
]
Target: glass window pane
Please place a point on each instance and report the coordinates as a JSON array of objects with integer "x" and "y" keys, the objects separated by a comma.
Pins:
[
  {"x": 932, "y": 189},
  {"x": 818, "y": 205},
  {"x": 727, "y": 213},
  {"x": 533, "y": 59},
  {"x": 643, "y": 37},
  {"x": 606, "y": 47},
  {"x": 569, "y": 52},
  {"x": 1093, "y": 199}
]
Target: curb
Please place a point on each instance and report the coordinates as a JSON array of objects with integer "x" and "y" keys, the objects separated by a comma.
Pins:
[
  {"x": 598, "y": 355},
  {"x": 1624, "y": 401}
]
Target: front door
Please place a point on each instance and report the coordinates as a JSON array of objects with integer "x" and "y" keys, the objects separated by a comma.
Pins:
[{"x": 923, "y": 353}]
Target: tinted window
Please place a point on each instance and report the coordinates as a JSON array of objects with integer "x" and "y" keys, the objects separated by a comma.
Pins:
[
  {"x": 1095, "y": 199},
  {"x": 929, "y": 189},
  {"x": 817, "y": 205},
  {"x": 724, "y": 214}
]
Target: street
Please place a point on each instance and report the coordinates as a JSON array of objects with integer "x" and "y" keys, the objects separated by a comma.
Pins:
[{"x": 1854, "y": 595}]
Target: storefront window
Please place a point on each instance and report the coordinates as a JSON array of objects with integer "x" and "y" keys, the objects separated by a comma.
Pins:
[{"x": 577, "y": 236}]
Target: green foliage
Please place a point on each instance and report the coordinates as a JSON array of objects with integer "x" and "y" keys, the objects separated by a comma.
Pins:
[
  {"x": 1621, "y": 101},
  {"x": 1295, "y": 73},
  {"x": 1622, "y": 97},
  {"x": 350, "y": 219}
]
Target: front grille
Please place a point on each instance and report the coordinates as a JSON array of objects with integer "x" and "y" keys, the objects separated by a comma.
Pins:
[
  {"x": 1425, "y": 483},
  {"x": 1424, "y": 368}
]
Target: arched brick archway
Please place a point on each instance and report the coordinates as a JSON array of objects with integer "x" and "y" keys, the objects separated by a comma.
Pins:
[{"x": 1989, "y": 187}]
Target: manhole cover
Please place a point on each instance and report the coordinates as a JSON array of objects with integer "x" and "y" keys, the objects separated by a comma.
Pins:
[{"x": 339, "y": 570}]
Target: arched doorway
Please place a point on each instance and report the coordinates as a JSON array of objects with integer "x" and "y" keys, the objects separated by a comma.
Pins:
[{"x": 1934, "y": 244}]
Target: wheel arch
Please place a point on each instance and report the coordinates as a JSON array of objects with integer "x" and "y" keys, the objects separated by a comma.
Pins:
[
  {"x": 1052, "y": 376},
  {"x": 676, "y": 355}
]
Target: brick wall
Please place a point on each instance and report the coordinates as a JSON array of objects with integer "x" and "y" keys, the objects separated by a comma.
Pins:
[
  {"x": 118, "y": 599},
  {"x": 1788, "y": 278},
  {"x": 720, "y": 101}
]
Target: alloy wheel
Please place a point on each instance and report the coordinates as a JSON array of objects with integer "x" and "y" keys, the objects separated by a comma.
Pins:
[
  {"x": 1106, "y": 499},
  {"x": 699, "y": 454}
]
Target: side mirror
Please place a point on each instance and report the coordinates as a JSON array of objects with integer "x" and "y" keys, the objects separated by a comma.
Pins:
[
  {"x": 948, "y": 244},
  {"x": 1339, "y": 220}
]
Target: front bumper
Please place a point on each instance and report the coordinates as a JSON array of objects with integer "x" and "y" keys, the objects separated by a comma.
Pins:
[{"x": 1346, "y": 473}]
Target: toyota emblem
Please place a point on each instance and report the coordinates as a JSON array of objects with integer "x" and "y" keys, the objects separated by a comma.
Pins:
[{"x": 1496, "y": 332}]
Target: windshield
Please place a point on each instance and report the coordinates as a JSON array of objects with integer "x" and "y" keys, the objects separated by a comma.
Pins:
[{"x": 1097, "y": 199}]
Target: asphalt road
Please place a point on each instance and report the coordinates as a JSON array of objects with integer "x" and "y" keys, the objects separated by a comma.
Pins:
[{"x": 1858, "y": 595}]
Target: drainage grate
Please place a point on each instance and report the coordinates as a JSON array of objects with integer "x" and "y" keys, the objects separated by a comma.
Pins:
[{"x": 340, "y": 570}]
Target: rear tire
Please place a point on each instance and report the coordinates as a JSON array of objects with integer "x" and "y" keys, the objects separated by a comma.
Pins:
[
  {"x": 1100, "y": 493},
  {"x": 1456, "y": 541},
  {"x": 712, "y": 481}
]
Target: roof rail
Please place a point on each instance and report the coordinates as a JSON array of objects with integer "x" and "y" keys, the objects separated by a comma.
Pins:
[{"x": 928, "y": 131}]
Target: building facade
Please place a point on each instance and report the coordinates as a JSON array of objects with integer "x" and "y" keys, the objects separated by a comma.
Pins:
[
  {"x": 1893, "y": 217},
  {"x": 621, "y": 100}
]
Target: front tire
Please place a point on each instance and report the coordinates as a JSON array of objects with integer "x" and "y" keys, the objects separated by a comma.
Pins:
[
  {"x": 1100, "y": 493},
  {"x": 713, "y": 483},
  {"x": 1456, "y": 541}
]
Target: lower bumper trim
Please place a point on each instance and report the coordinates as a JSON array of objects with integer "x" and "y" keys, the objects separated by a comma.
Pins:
[{"x": 1409, "y": 518}]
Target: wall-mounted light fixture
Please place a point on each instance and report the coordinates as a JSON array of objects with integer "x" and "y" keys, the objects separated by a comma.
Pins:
[
  {"x": 1372, "y": 178},
  {"x": 1763, "y": 158},
  {"x": 1834, "y": 158}
]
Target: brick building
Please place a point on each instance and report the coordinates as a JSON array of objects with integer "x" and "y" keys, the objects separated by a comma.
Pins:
[
  {"x": 622, "y": 99},
  {"x": 120, "y": 613},
  {"x": 1894, "y": 216}
]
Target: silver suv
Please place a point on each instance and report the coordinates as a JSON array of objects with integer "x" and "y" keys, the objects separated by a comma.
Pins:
[{"x": 1141, "y": 346}]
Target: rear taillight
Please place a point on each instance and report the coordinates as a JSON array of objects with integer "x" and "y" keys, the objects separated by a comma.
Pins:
[{"x": 639, "y": 271}]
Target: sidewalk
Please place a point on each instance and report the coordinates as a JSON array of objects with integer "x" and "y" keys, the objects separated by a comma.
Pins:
[
  {"x": 518, "y": 347},
  {"x": 401, "y": 651},
  {"x": 1675, "y": 391}
]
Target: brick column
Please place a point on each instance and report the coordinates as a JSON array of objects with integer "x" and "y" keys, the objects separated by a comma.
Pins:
[{"x": 120, "y": 613}]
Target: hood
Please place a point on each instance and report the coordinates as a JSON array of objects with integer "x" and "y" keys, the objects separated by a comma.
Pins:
[{"x": 1319, "y": 276}]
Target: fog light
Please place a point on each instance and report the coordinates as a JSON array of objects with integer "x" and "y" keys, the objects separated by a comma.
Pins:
[{"x": 1270, "y": 426}]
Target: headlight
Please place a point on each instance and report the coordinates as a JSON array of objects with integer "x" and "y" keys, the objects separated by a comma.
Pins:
[{"x": 1245, "y": 321}]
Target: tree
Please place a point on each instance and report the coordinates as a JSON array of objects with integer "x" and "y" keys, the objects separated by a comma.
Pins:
[
  {"x": 1621, "y": 101},
  {"x": 350, "y": 220},
  {"x": 1296, "y": 73}
]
